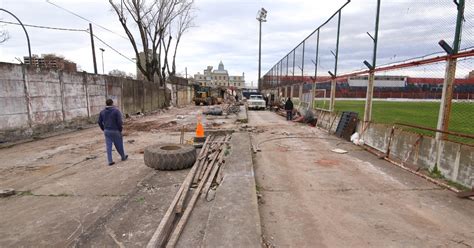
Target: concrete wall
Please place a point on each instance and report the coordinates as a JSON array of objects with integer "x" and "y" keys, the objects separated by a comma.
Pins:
[
  {"x": 34, "y": 101},
  {"x": 455, "y": 161},
  {"x": 184, "y": 95}
]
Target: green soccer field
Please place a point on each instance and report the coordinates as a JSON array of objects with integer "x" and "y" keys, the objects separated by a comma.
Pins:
[{"x": 415, "y": 113}]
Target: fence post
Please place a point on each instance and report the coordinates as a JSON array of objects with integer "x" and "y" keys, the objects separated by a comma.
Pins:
[
  {"x": 315, "y": 71},
  {"x": 300, "y": 96},
  {"x": 450, "y": 74},
  {"x": 370, "y": 84},
  {"x": 333, "y": 95},
  {"x": 333, "y": 80},
  {"x": 368, "y": 99}
]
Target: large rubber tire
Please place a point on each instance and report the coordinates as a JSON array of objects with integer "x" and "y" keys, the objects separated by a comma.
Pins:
[{"x": 170, "y": 156}]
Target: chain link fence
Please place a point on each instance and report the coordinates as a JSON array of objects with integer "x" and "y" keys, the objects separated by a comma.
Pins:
[{"x": 409, "y": 71}]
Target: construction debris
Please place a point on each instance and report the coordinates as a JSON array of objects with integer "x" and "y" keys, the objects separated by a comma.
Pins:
[
  {"x": 6, "y": 192},
  {"x": 213, "y": 110},
  {"x": 206, "y": 174},
  {"x": 340, "y": 151}
]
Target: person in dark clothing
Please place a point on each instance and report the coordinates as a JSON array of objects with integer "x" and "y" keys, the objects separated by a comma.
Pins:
[
  {"x": 110, "y": 121},
  {"x": 289, "y": 109}
]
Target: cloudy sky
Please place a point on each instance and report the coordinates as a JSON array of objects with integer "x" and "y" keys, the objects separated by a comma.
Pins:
[{"x": 227, "y": 30}]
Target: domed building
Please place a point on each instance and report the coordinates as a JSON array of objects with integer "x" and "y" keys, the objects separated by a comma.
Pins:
[{"x": 219, "y": 78}]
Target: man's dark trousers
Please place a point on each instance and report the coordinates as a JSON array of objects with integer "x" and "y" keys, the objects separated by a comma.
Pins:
[
  {"x": 289, "y": 115},
  {"x": 114, "y": 137}
]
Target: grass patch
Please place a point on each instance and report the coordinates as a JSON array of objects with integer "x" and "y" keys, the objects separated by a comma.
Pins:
[
  {"x": 24, "y": 193},
  {"x": 435, "y": 173},
  {"x": 140, "y": 199},
  {"x": 416, "y": 113},
  {"x": 60, "y": 195}
]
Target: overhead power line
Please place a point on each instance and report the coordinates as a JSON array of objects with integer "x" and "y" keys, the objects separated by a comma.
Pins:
[
  {"x": 72, "y": 30},
  {"x": 113, "y": 49},
  {"x": 46, "y": 27},
  {"x": 86, "y": 19}
]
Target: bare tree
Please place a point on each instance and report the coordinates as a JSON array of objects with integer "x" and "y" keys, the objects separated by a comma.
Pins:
[
  {"x": 4, "y": 36},
  {"x": 120, "y": 73},
  {"x": 152, "y": 24}
]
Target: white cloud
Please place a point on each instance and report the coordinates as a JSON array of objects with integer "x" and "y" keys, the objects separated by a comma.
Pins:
[{"x": 227, "y": 30}]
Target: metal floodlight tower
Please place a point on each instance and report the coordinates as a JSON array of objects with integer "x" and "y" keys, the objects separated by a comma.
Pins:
[{"x": 261, "y": 17}]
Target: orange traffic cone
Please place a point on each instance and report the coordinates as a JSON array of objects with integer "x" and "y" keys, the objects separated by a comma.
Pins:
[{"x": 199, "y": 129}]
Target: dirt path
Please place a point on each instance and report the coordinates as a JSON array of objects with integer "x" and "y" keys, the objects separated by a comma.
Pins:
[{"x": 312, "y": 197}]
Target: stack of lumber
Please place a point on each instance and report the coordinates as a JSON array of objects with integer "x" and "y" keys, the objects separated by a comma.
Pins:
[{"x": 206, "y": 172}]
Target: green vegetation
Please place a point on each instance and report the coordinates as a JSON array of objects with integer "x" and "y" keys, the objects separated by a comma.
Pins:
[
  {"x": 415, "y": 113},
  {"x": 436, "y": 174},
  {"x": 140, "y": 199},
  {"x": 24, "y": 193}
]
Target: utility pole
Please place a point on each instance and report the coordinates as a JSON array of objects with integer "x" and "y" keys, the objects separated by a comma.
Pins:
[
  {"x": 93, "y": 48},
  {"x": 261, "y": 17}
]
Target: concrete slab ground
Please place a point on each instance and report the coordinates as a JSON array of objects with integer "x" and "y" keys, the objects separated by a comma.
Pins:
[
  {"x": 68, "y": 196},
  {"x": 232, "y": 218},
  {"x": 313, "y": 197}
]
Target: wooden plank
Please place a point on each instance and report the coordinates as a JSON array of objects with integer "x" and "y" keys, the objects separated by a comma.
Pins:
[
  {"x": 203, "y": 158},
  {"x": 187, "y": 212},
  {"x": 164, "y": 228},
  {"x": 213, "y": 158},
  {"x": 215, "y": 168},
  {"x": 187, "y": 183},
  {"x": 162, "y": 232}
]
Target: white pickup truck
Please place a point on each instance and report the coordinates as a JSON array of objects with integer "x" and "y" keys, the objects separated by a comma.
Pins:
[{"x": 256, "y": 102}]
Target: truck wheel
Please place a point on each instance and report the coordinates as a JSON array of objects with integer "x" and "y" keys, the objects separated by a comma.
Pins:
[{"x": 170, "y": 156}]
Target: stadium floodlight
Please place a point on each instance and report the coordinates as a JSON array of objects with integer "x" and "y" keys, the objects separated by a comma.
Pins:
[
  {"x": 261, "y": 17},
  {"x": 446, "y": 47}
]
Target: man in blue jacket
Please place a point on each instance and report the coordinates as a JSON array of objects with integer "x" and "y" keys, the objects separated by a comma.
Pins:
[{"x": 110, "y": 121}]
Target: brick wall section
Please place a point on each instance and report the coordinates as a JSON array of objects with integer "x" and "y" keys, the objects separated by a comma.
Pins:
[{"x": 34, "y": 101}]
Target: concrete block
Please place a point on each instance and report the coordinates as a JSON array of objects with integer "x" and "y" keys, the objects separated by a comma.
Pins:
[
  {"x": 45, "y": 118},
  {"x": 427, "y": 154},
  {"x": 12, "y": 105},
  {"x": 75, "y": 113},
  {"x": 11, "y": 122},
  {"x": 234, "y": 220},
  {"x": 466, "y": 166},
  {"x": 12, "y": 72},
  {"x": 44, "y": 89},
  {"x": 74, "y": 89},
  {"x": 42, "y": 104},
  {"x": 11, "y": 88},
  {"x": 377, "y": 136},
  {"x": 448, "y": 157}
]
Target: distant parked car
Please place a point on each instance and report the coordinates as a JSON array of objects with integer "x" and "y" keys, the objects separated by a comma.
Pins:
[{"x": 256, "y": 102}]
